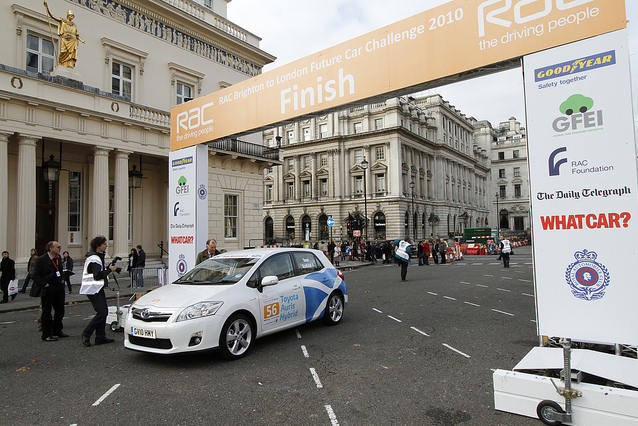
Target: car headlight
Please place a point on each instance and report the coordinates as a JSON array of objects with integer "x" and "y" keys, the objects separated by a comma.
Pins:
[{"x": 199, "y": 310}]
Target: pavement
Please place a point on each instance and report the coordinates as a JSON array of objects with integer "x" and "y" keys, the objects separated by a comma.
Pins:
[{"x": 24, "y": 302}]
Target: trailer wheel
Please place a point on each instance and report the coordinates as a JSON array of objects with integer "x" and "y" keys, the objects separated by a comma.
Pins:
[{"x": 545, "y": 409}]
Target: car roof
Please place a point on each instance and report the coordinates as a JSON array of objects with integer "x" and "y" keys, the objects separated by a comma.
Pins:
[{"x": 265, "y": 251}]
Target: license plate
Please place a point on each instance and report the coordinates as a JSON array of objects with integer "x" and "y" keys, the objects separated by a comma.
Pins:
[{"x": 143, "y": 332}]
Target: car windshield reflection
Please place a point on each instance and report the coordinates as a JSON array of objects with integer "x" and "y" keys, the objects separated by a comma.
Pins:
[{"x": 220, "y": 271}]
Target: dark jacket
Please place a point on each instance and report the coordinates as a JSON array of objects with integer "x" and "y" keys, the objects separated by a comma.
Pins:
[
  {"x": 141, "y": 259},
  {"x": 8, "y": 268},
  {"x": 134, "y": 264},
  {"x": 45, "y": 272},
  {"x": 68, "y": 268}
]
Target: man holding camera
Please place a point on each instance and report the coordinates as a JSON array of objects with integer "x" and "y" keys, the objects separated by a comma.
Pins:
[{"x": 94, "y": 281}]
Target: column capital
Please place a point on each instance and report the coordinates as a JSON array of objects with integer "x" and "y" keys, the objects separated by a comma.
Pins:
[
  {"x": 4, "y": 136},
  {"x": 101, "y": 150},
  {"x": 28, "y": 140},
  {"x": 122, "y": 153}
]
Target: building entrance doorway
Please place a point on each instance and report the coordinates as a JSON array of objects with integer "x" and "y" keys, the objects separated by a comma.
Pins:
[{"x": 45, "y": 217}]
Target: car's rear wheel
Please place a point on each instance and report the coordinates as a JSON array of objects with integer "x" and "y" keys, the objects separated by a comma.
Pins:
[
  {"x": 334, "y": 309},
  {"x": 236, "y": 337}
]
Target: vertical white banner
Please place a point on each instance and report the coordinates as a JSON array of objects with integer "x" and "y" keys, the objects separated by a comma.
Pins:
[
  {"x": 188, "y": 208},
  {"x": 583, "y": 177}
]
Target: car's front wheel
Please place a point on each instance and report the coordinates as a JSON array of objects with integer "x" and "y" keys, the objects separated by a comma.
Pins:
[
  {"x": 334, "y": 309},
  {"x": 236, "y": 337}
]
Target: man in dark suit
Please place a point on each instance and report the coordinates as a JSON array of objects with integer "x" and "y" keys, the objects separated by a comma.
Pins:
[{"x": 48, "y": 283}]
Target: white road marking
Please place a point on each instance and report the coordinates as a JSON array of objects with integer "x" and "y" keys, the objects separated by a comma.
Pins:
[
  {"x": 332, "y": 416},
  {"x": 298, "y": 334},
  {"x": 534, "y": 321},
  {"x": 376, "y": 310},
  {"x": 486, "y": 275},
  {"x": 503, "y": 289},
  {"x": 473, "y": 304},
  {"x": 419, "y": 331},
  {"x": 396, "y": 319},
  {"x": 433, "y": 294},
  {"x": 103, "y": 397},
  {"x": 506, "y": 278},
  {"x": 481, "y": 285},
  {"x": 502, "y": 312},
  {"x": 525, "y": 281},
  {"x": 463, "y": 282},
  {"x": 316, "y": 377},
  {"x": 448, "y": 297},
  {"x": 305, "y": 351},
  {"x": 525, "y": 294},
  {"x": 456, "y": 350},
  {"x": 7, "y": 322}
]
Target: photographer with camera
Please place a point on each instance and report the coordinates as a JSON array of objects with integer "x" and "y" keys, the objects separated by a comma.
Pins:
[{"x": 94, "y": 281}]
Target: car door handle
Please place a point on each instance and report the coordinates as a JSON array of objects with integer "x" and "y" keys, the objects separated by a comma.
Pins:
[{"x": 296, "y": 287}]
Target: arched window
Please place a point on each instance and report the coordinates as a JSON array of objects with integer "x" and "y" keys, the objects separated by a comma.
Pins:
[
  {"x": 379, "y": 226},
  {"x": 290, "y": 228},
  {"x": 269, "y": 231},
  {"x": 324, "y": 229},
  {"x": 306, "y": 226},
  {"x": 504, "y": 220}
]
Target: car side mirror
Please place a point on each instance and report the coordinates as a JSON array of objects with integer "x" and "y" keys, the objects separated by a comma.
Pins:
[{"x": 269, "y": 280}]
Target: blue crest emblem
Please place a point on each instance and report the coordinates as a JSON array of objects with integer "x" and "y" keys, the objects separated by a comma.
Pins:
[
  {"x": 182, "y": 266},
  {"x": 587, "y": 278},
  {"x": 202, "y": 192}
]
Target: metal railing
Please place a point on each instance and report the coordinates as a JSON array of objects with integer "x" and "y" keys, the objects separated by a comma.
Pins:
[{"x": 246, "y": 148}]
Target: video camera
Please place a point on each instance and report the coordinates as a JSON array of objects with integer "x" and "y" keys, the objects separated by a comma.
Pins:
[{"x": 115, "y": 260}]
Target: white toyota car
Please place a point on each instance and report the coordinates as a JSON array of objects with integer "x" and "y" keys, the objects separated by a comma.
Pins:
[{"x": 231, "y": 299}]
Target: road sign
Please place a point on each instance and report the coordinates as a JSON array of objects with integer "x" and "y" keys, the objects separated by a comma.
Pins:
[{"x": 330, "y": 222}]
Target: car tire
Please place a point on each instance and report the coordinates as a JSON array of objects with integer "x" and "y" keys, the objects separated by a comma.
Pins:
[
  {"x": 334, "y": 309},
  {"x": 236, "y": 337},
  {"x": 547, "y": 407}
]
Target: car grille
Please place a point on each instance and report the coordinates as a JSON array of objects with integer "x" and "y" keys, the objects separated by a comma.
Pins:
[
  {"x": 150, "y": 343},
  {"x": 151, "y": 316}
]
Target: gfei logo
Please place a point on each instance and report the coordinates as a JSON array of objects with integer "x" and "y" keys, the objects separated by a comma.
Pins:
[
  {"x": 182, "y": 188},
  {"x": 554, "y": 166},
  {"x": 499, "y": 16},
  {"x": 193, "y": 118},
  {"x": 578, "y": 115}
]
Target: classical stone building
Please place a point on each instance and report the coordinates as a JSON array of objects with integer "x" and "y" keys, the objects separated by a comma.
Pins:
[
  {"x": 509, "y": 184},
  {"x": 104, "y": 121},
  {"x": 410, "y": 166}
]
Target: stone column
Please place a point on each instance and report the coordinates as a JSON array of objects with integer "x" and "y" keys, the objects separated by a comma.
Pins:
[
  {"x": 4, "y": 188},
  {"x": 121, "y": 204},
  {"x": 100, "y": 193},
  {"x": 26, "y": 198}
]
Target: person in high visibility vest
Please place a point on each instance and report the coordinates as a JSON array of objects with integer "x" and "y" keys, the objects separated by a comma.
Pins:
[
  {"x": 506, "y": 250},
  {"x": 403, "y": 256}
]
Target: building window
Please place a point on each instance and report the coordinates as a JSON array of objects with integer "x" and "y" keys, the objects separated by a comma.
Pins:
[
  {"x": 208, "y": 4},
  {"x": 501, "y": 155},
  {"x": 503, "y": 191},
  {"x": 323, "y": 130},
  {"x": 380, "y": 185},
  {"x": 323, "y": 160},
  {"x": 501, "y": 173},
  {"x": 268, "y": 192},
  {"x": 291, "y": 164},
  {"x": 358, "y": 127},
  {"x": 121, "y": 80},
  {"x": 323, "y": 184},
  {"x": 517, "y": 190},
  {"x": 380, "y": 153},
  {"x": 306, "y": 188},
  {"x": 378, "y": 124},
  {"x": 306, "y": 162},
  {"x": 515, "y": 154},
  {"x": 291, "y": 190},
  {"x": 230, "y": 216},
  {"x": 306, "y": 133},
  {"x": 111, "y": 209},
  {"x": 184, "y": 93},
  {"x": 290, "y": 136},
  {"x": 358, "y": 156},
  {"x": 358, "y": 184},
  {"x": 519, "y": 223},
  {"x": 40, "y": 55},
  {"x": 517, "y": 172},
  {"x": 75, "y": 201}
]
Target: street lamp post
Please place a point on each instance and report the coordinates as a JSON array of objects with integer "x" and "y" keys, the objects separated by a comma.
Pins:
[
  {"x": 364, "y": 166},
  {"x": 498, "y": 222},
  {"x": 412, "y": 185}
]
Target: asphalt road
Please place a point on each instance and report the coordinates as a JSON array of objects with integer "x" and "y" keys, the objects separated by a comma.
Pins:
[{"x": 420, "y": 352}]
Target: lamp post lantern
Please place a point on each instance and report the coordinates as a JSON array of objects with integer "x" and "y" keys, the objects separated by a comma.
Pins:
[
  {"x": 364, "y": 166},
  {"x": 412, "y": 185}
]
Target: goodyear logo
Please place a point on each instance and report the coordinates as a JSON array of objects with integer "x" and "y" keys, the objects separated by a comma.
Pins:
[
  {"x": 579, "y": 65},
  {"x": 182, "y": 161}
]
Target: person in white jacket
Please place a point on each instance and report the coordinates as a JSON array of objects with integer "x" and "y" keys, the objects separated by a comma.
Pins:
[{"x": 403, "y": 256}]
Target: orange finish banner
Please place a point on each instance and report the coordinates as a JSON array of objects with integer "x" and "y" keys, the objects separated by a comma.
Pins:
[{"x": 456, "y": 37}]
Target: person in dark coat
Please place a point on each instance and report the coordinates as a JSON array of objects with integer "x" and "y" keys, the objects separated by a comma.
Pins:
[
  {"x": 8, "y": 268},
  {"x": 67, "y": 269},
  {"x": 141, "y": 257},
  {"x": 132, "y": 261},
  {"x": 48, "y": 284},
  {"x": 34, "y": 256}
]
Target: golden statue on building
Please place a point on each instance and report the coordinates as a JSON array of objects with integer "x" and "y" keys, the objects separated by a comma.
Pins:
[{"x": 69, "y": 37}]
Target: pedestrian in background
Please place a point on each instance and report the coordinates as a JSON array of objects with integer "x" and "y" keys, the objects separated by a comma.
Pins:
[
  {"x": 67, "y": 269},
  {"x": 419, "y": 252},
  {"x": 426, "y": 252},
  {"x": 442, "y": 250},
  {"x": 141, "y": 263},
  {"x": 132, "y": 261},
  {"x": 48, "y": 284},
  {"x": 403, "y": 256},
  {"x": 94, "y": 281},
  {"x": 8, "y": 269},
  {"x": 30, "y": 263},
  {"x": 435, "y": 252},
  {"x": 506, "y": 250}
]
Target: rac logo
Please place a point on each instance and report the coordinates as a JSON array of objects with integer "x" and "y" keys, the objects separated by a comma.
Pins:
[
  {"x": 554, "y": 166},
  {"x": 194, "y": 118},
  {"x": 498, "y": 16}
]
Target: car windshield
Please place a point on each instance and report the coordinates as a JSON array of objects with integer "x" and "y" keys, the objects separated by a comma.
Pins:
[{"x": 221, "y": 271}]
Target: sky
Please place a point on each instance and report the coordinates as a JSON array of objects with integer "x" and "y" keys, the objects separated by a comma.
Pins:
[{"x": 293, "y": 29}]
